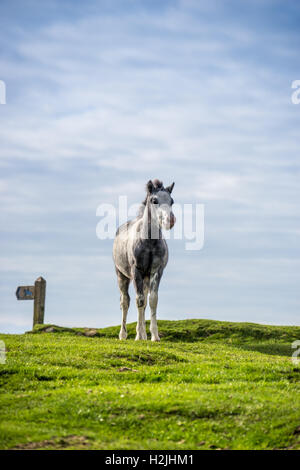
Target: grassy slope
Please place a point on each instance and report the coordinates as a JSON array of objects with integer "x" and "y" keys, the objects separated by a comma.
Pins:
[{"x": 206, "y": 385}]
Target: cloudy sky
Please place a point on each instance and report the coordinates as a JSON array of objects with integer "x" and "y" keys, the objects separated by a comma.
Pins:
[{"x": 103, "y": 95}]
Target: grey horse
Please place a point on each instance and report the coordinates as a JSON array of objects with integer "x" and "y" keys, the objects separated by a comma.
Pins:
[{"x": 140, "y": 255}]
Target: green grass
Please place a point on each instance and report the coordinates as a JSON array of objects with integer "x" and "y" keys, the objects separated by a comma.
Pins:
[{"x": 206, "y": 385}]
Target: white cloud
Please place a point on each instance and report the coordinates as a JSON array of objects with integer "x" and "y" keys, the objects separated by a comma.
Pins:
[{"x": 100, "y": 102}]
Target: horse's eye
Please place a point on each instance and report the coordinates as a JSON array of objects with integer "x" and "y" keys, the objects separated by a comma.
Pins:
[
  {"x": 154, "y": 201},
  {"x": 172, "y": 202}
]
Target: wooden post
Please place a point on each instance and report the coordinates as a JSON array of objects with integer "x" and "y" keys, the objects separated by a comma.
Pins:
[{"x": 39, "y": 301}]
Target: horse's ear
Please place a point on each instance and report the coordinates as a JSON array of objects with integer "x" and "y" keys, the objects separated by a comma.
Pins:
[
  {"x": 170, "y": 188},
  {"x": 149, "y": 187}
]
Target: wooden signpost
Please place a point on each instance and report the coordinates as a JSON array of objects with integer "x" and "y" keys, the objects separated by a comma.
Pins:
[{"x": 36, "y": 293}]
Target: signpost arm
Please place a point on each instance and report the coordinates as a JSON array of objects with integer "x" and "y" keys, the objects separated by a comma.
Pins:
[{"x": 39, "y": 301}]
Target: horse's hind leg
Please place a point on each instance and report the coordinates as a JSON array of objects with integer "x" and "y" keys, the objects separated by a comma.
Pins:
[{"x": 123, "y": 282}]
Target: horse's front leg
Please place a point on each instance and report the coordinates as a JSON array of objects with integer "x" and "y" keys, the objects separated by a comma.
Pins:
[
  {"x": 123, "y": 282},
  {"x": 140, "y": 303},
  {"x": 153, "y": 300}
]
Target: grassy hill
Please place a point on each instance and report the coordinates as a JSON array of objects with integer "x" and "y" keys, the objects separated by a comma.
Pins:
[{"x": 206, "y": 385}]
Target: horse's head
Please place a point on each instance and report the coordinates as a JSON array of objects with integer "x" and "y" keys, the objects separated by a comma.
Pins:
[{"x": 161, "y": 202}]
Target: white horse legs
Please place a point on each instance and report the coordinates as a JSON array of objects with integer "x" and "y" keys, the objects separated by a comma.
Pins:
[
  {"x": 141, "y": 303},
  {"x": 141, "y": 325},
  {"x": 141, "y": 287},
  {"x": 153, "y": 299},
  {"x": 145, "y": 306},
  {"x": 124, "y": 306},
  {"x": 123, "y": 282}
]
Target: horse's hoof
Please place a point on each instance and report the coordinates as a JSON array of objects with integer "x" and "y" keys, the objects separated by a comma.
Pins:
[
  {"x": 155, "y": 338},
  {"x": 122, "y": 335},
  {"x": 140, "y": 337}
]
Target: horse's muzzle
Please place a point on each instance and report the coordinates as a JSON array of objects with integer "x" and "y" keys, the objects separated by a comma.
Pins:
[{"x": 170, "y": 221}]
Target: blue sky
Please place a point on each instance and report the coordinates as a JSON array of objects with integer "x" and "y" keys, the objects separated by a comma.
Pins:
[{"x": 102, "y": 96}]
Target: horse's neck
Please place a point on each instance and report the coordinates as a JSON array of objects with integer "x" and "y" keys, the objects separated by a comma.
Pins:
[{"x": 150, "y": 228}]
